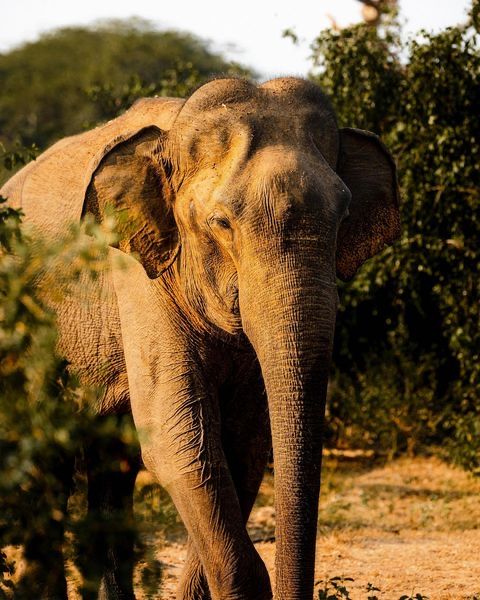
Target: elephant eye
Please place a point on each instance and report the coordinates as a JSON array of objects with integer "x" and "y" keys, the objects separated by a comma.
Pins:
[{"x": 219, "y": 221}]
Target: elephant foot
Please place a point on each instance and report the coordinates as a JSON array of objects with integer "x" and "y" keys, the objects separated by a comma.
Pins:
[{"x": 193, "y": 583}]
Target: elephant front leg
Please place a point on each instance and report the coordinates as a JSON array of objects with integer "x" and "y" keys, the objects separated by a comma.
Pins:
[
  {"x": 183, "y": 448},
  {"x": 246, "y": 442},
  {"x": 232, "y": 567},
  {"x": 193, "y": 584}
]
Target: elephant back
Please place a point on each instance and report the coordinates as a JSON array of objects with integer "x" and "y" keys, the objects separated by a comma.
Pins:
[{"x": 51, "y": 190}]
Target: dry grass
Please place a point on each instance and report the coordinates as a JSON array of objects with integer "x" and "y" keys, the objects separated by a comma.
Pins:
[{"x": 411, "y": 525}]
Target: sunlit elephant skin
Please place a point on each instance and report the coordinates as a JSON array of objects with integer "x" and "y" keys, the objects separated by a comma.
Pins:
[{"x": 243, "y": 203}]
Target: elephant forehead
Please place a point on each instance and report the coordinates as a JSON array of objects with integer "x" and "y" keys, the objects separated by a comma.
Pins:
[
  {"x": 218, "y": 92},
  {"x": 228, "y": 91},
  {"x": 276, "y": 180},
  {"x": 278, "y": 107},
  {"x": 241, "y": 130}
]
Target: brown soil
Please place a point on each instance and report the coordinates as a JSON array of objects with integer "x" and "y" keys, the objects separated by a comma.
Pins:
[
  {"x": 412, "y": 526},
  {"x": 409, "y": 527}
]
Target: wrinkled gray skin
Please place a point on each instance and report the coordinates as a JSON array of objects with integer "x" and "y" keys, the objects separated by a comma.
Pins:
[{"x": 243, "y": 204}]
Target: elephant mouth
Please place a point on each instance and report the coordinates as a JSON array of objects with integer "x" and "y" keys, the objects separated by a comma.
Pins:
[
  {"x": 232, "y": 299},
  {"x": 235, "y": 308},
  {"x": 235, "y": 303}
]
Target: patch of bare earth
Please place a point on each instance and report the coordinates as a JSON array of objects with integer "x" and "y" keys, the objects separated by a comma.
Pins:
[{"x": 410, "y": 526}]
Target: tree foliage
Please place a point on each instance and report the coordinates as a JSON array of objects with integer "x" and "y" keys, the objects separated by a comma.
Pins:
[
  {"x": 49, "y": 88},
  {"x": 46, "y": 417},
  {"x": 406, "y": 368}
]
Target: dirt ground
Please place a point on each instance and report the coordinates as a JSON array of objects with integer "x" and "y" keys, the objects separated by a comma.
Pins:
[
  {"x": 412, "y": 526},
  {"x": 409, "y": 527}
]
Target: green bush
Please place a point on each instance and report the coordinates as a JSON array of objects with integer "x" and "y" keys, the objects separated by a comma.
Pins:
[
  {"x": 406, "y": 366},
  {"x": 42, "y": 420},
  {"x": 45, "y": 415}
]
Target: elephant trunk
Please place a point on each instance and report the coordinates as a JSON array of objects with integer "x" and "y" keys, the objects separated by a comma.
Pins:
[{"x": 290, "y": 325}]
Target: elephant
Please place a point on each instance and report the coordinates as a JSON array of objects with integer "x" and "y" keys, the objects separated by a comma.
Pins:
[{"x": 238, "y": 208}]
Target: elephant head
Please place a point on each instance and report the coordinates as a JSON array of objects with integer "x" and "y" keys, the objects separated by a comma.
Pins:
[{"x": 251, "y": 205}]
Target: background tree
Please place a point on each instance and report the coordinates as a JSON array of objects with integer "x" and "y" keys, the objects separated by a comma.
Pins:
[
  {"x": 66, "y": 80},
  {"x": 406, "y": 369}
]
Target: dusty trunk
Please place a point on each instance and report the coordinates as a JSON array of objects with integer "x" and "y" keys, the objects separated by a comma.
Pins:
[{"x": 291, "y": 325}]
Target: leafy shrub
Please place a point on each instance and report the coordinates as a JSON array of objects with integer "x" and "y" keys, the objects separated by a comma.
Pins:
[
  {"x": 46, "y": 416},
  {"x": 41, "y": 418},
  {"x": 406, "y": 370}
]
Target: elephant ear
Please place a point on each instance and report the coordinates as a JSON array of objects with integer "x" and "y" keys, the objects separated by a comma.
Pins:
[
  {"x": 131, "y": 181},
  {"x": 368, "y": 170}
]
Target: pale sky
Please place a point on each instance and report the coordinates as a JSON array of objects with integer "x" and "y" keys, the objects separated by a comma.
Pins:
[{"x": 254, "y": 27}]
